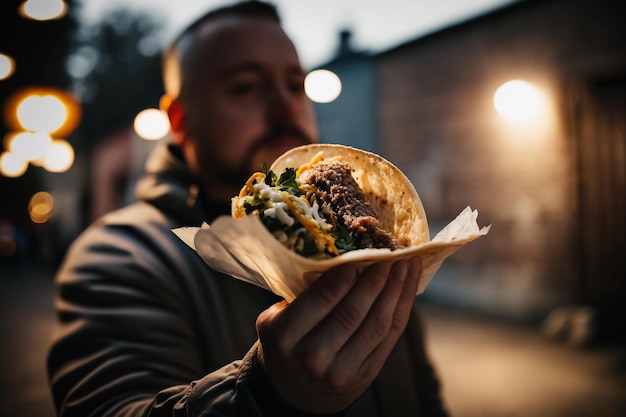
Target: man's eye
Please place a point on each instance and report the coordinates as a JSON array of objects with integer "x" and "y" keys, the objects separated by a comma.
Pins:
[
  {"x": 242, "y": 88},
  {"x": 296, "y": 87}
]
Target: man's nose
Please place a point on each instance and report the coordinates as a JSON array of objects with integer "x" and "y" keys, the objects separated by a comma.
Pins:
[{"x": 282, "y": 104}]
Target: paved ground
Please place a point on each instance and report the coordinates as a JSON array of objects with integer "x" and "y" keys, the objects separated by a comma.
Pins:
[
  {"x": 26, "y": 300},
  {"x": 489, "y": 368}
]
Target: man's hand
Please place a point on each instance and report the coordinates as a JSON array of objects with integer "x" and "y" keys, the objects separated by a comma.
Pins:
[{"x": 325, "y": 348}]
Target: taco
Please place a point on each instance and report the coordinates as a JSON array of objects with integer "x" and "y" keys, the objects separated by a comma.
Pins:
[
  {"x": 253, "y": 244},
  {"x": 324, "y": 200}
]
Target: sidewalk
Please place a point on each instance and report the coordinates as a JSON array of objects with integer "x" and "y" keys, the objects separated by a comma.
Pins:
[
  {"x": 491, "y": 368},
  {"x": 25, "y": 328},
  {"x": 488, "y": 368}
]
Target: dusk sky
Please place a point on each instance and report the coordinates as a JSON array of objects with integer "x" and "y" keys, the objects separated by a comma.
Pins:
[{"x": 314, "y": 25}]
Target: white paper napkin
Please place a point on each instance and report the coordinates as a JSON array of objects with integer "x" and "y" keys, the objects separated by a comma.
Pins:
[{"x": 245, "y": 249}]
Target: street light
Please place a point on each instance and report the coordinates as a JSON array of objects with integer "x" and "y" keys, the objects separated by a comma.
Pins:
[
  {"x": 519, "y": 101},
  {"x": 39, "y": 117},
  {"x": 7, "y": 66},
  {"x": 42, "y": 109},
  {"x": 322, "y": 86},
  {"x": 59, "y": 157},
  {"x": 11, "y": 166},
  {"x": 151, "y": 124},
  {"x": 41, "y": 207},
  {"x": 43, "y": 9},
  {"x": 41, "y": 113},
  {"x": 29, "y": 146}
]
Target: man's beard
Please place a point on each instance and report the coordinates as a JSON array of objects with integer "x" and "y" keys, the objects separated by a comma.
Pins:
[{"x": 238, "y": 175}]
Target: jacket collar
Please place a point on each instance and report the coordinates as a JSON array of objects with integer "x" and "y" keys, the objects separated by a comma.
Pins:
[{"x": 171, "y": 186}]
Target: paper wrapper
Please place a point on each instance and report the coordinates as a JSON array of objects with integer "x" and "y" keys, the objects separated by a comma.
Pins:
[{"x": 245, "y": 249}]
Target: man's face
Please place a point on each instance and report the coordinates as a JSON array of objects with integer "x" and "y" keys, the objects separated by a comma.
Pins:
[{"x": 247, "y": 104}]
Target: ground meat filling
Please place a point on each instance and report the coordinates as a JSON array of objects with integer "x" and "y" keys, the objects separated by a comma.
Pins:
[{"x": 337, "y": 191}]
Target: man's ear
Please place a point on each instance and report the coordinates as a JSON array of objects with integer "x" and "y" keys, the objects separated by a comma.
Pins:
[{"x": 175, "y": 113}]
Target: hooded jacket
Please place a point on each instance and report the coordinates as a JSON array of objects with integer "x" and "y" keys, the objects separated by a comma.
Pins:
[{"x": 145, "y": 328}]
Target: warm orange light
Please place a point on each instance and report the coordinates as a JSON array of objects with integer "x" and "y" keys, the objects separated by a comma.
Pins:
[
  {"x": 29, "y": 146},
  {"x": 43, "y": 9},
  {"x": 7, "y": 66},
  {"x": 519, "y": 102},
  {"x": 43, "y": 114},
  {"x": 151, "y": 124},
  {"x": 60, "y": 156},
  {"x": 12, "y": 166},
  {"x": 42, "y": 109},
  {"x": 41, "y": 207}
]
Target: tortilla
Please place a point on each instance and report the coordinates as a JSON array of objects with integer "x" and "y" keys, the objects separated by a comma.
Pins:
[{"x": 245, "y": 249}]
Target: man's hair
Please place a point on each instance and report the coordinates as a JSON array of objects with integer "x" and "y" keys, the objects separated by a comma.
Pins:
[{"x": 177, "y": 56}]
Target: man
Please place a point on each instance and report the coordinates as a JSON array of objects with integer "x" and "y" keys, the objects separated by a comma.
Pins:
[{"x": 146, "y": 328}]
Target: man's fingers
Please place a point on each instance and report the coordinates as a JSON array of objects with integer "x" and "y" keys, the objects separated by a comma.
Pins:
[
  {"x": 316, "y": 302},
  {"x": 379, "y": 320},
  {"x": 344, "y": 320},
  {"x": 343, "y": 326},
  {"x": 400, "y": 319}
]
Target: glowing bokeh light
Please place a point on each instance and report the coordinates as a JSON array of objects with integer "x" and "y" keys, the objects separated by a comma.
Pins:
[
  {"x": 41, "y": 207},
  {"x": 7, "y": 66},
  {"x": 151, "y": 124},
  {"x": 43, "y": 9},
  {"x": 29, "y": 146},
  {"x": 44, "y": 114},
  {"x": 12, "y": 166},
  {"x": 519, "y": 101},
  {"x": 60, "y": 156},
  {"x": 42, "y": 109},
  {"x": 322, "y": 86}
]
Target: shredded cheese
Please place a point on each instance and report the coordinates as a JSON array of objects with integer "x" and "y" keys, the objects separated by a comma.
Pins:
[
  {"x": 318, "y": 157},
  {"x": 288, "y": 208},
  {"x": 312, "y": 226},
  {"x": 248, "y": 188}
]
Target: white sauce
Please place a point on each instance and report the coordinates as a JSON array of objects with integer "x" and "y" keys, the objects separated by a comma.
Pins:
[{"x": 276, "y": 208}]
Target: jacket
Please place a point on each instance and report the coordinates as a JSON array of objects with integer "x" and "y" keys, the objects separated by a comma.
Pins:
[{"x": 145, "y": 328}]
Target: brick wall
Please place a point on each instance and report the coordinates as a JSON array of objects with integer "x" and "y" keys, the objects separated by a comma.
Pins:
[{"x": 436, "y": 121}]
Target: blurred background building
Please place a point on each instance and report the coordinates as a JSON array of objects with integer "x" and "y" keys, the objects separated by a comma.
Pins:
[{"x": 519, "y": 113}]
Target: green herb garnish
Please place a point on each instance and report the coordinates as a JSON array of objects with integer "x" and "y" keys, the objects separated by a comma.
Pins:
[
  {"x": 344, "y": 240},
  {"x": 287, "y": 182}
]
